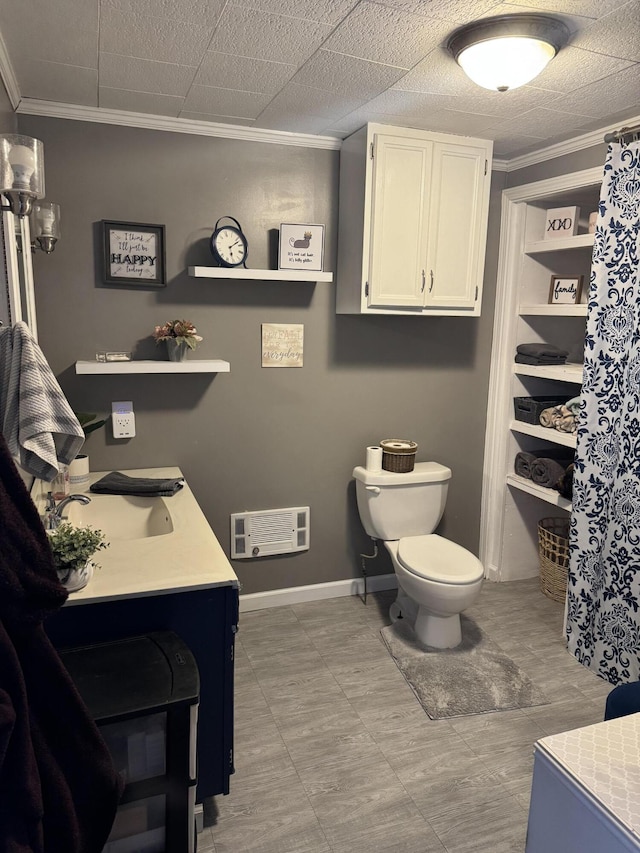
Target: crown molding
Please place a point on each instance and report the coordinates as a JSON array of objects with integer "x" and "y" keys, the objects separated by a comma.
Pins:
[
  {"x": 78, "y": 112},
  {"x": 569, "y": 146},
  {"x": 8, "y": 76}
]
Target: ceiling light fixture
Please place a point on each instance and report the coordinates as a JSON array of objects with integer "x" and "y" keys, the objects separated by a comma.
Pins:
[
  {"x": 507, "y": 51},
  {"x": 21, "y": 171}
]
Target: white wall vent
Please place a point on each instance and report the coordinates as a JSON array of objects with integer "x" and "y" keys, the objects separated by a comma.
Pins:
[{"x": 268, "y": 532}]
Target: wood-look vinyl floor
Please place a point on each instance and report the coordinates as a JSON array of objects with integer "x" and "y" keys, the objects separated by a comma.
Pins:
[{"x": 334, "y": 754}]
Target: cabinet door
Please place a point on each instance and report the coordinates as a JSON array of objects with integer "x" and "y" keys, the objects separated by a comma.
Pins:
[
  {"x": 457, "y": 229},
  {"x": 399, "y": 232}
]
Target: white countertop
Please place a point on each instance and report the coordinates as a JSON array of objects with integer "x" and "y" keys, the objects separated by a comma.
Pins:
[{"x": 187, "y": 559}]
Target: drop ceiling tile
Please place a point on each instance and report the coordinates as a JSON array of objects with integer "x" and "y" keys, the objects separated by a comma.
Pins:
[
  {"x": 544, "y": 123},
  {"x": 140, "y": 102},
  {"x": 573, "y": 68},
  {"x": 53, "y": 81},
  {"x": 325, "y": 11},
  {"x": 215, "y": 119},
  {"x": 610, "y": 95},
  {"x": 454, "y": 11},
  {"x": 507, "y": 144},
  {"x": 228, "y": 102},
  {"x": 617, "y": 34},
  {"x": 505, "y": 104},
  {"x": 145, "y": 75},
  {"x": 65, "y": 33},
  {"x": 294, "y": 123},
  {"x": 204, "y": 12},
  {"x": 417, "y": 104},
  {"x": 387, "y": 35},
  {"x": 249, "y": 32},
  {"x": 584, "y": 8},
  {"x": 305, "y": 101},
  {"x": 240, "y": 72},
  {"x": 449, "y": 121},
  {"x": 161, "y": 39},
  {"x": 348, "y": 75}
]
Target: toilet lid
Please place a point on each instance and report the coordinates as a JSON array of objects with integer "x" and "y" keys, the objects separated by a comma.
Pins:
[{"x": 438, "y": 559}]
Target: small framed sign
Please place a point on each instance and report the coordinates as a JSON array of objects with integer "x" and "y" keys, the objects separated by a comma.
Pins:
[
  {"x": 565, "y": 290},
  {"x": 282, "y": 344},
  {"x": 301, "y": 247},
  {"x": 134, "y": 254},
  {"x": 561, "y": 222}
]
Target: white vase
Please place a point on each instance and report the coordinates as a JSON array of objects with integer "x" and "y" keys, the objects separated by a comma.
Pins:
[
  {"x": 79, "y": 470},
  {"x": 76, "y": 579}
]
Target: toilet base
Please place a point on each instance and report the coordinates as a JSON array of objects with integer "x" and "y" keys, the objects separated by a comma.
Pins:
[{"x": 438, "y": 632}]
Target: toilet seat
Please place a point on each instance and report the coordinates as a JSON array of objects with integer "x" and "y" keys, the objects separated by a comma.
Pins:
[{"x": 437, "y": 559}]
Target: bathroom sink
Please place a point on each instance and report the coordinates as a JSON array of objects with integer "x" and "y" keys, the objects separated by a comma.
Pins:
[{"x": 122, "y": 516}]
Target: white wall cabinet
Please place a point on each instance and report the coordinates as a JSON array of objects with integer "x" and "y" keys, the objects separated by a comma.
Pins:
[
  {"x": 413, "y": 222},
  {"x": 511, "y": 505}
]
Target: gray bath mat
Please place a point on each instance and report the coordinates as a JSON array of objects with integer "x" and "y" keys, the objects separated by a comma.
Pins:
[{"x": 474, "y": 678}]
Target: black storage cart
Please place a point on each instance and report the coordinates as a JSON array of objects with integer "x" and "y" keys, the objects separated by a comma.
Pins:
[{"x": 143, "y": 693}]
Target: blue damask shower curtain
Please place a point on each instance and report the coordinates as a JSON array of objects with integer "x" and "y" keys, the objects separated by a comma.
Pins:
[{"x": 603, "y": 606}]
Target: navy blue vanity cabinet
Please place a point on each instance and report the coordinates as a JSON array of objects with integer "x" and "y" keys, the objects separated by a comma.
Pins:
[{"x": 206, "y": 619}]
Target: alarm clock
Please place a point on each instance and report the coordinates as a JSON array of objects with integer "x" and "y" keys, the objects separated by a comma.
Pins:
[{"x": 228, "y": 244}]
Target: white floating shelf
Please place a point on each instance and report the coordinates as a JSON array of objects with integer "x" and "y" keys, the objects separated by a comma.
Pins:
[
  {"x": 554, "y": 310},
  {"x": 579, "y": 241},
  {"x": 545, "y": 433},
  {"x": 558, "y": 372},
  {"x": 122, "y": 367},
  {"x": 548, "y": 495},
  {"x": 260, "y": 275}
]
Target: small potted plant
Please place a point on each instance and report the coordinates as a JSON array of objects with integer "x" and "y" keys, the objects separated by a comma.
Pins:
[
  {"x": 72, "y": 548},
  {"x": 180, "y": 335}
]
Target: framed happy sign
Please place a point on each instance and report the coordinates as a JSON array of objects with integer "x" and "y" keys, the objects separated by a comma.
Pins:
[{"x": 134, "y": 254}]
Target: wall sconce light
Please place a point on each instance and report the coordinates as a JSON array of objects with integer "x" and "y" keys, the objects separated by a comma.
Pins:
[
  {"x": 507, "y": 51},
  {"x": 21, "y": 172},
  {"x": 45, "y": 225}
]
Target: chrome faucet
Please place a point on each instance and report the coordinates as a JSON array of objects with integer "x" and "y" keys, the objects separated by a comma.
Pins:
[{"x": 53, "y": 512}]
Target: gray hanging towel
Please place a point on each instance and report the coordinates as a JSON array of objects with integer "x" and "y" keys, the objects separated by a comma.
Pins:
[{"x": 117, "y": 483}]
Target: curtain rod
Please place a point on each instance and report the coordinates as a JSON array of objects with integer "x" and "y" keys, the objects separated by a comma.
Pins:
[{"x": 625, "y": 134}]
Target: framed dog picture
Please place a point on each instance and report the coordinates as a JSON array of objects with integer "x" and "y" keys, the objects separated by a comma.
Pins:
[
  {"x": 565, "y": 290},
  {"x": 301, "y": 247}
]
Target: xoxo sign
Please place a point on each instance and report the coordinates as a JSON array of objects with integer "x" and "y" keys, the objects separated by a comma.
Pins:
[{"x": 561, "y": 222}]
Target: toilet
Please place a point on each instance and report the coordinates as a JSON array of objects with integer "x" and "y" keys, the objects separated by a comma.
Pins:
[{"x": 437, "y": 579}]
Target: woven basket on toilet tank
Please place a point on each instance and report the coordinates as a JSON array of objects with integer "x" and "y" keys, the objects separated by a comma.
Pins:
[{"x": 398, "y": 455}]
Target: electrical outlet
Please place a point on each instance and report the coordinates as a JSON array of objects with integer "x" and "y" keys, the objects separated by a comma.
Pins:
[{"x": 123, "y": 420}]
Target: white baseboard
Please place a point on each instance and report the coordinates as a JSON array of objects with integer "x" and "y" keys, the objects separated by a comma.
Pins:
[{"x": 315, "y": 592}]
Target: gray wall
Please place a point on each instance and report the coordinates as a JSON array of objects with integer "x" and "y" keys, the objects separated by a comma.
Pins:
[
  {"x": 255, "y": 438},
  {"x": 8, "y": 121},
  {"x": 575, "y": 162}
]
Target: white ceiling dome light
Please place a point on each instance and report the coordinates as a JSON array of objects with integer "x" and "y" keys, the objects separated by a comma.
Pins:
[{"x": 507, "y": 51}]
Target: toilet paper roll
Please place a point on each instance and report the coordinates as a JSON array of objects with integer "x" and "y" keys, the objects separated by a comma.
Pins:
[{"x": 374, "y": 459}]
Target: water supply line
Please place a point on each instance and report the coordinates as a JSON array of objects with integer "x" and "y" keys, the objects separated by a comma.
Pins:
[{"x": 364, "y": 557}]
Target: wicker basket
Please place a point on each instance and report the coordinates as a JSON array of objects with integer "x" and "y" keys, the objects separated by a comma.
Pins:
[
  {"x": 398, "y": 455},
  {"x": 553, "y": 550}
]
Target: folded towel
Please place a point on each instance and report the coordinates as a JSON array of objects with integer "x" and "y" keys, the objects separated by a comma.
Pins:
[
  {"x": 541, "y": 351},
  {"x": 117, "y": 483},
  {"x": 530, "y": 359},
  {"x": 36, "y": 420},
  {"x": 573, "y": 405},
  {"x": 565, "y": 483},
  {"x": 522, "y": 464},
  {"x": 549, "y": 417},
  {"x": 525, "y": 459},
  {"x": 547, "y": 472},
  {"x": 566, "y": 423}
]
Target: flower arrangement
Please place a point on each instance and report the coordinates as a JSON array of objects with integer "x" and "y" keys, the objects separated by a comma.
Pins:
[
  {"x": 72, "y": 547},
  {"x": 181, "y": 331}
]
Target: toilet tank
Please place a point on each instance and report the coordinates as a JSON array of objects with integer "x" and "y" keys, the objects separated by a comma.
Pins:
[{"x": 393, "y": 506}]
